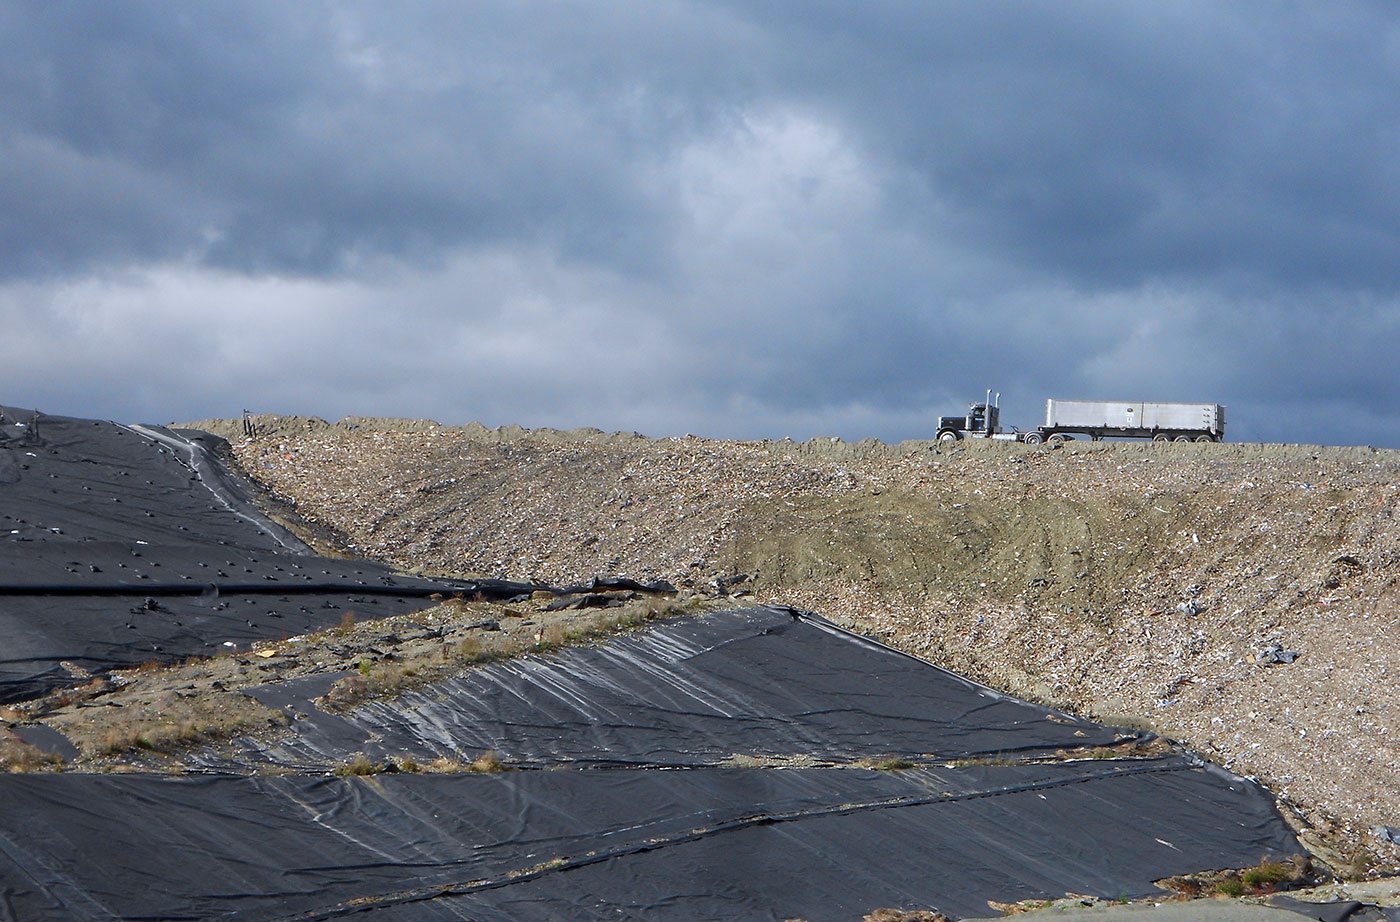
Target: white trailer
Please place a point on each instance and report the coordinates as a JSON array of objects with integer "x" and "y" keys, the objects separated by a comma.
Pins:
[{"x": 1097, "y": 419}]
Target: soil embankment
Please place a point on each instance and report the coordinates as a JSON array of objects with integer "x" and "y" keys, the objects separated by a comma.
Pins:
[{"x": 1239, "y": 598}]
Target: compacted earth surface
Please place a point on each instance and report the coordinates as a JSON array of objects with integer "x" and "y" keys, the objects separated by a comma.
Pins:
[{"x": 1240, "y": 599}]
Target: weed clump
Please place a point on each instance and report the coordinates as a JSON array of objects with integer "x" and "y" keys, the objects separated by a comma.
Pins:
[
  {"x": 487, "y": 763},
  {"x": 1268, "y": 873},
  {"x": 445, "y": 766},
  {"x": 892, "y": 765},
  {"x": 1266, "y": 877},
  {"x": 360, "y": 765}
]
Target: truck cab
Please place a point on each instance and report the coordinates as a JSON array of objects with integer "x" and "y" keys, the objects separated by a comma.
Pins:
[{"x": 983, "y": 420}]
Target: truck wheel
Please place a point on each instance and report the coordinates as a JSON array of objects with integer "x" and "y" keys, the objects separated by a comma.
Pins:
[
  {"x": 1205, "y": 438},
  {"x": 1161, "y": 437},
  {"x": 948, "y": 435},
  {"x": 1182, "y": 438},
  {"x": 1056, "y": 438},
  {"x": 1034, "y": 438}
]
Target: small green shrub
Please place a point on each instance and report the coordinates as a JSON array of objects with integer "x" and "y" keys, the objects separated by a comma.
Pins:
[
  {"x": 1268, "y": 873},
  {"x": 892, "y": 765}
]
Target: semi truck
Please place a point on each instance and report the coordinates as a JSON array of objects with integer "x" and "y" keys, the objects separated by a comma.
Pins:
[{"x": 1095, "y": 419}]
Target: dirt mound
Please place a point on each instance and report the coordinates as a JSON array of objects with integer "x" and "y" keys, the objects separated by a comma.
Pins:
[{"x": 1241, "y": 598}]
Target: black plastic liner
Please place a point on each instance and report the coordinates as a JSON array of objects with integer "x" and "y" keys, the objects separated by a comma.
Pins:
[
  {"x": 122, "y": 544},
  {"x": 757, "y": 682},
  {"x": 1337, "y": 910},
  {"x": 692, "y": 844}
]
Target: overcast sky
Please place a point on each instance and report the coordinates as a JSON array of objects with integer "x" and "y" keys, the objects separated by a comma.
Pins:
[{"x": 739, "y": 219}]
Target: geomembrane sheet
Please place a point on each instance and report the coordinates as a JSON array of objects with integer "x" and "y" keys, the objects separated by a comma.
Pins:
[
  {"x": 692, "y": 691},
  {"x": 592, "y": 844},
  {"x": 120, "y": 544}
]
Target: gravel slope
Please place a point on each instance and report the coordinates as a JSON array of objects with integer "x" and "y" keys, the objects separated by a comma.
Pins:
[{"x": 1136, "y": 582}]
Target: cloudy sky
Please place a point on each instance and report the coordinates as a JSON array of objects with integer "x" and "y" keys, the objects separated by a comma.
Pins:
[{"x": 746, "y": 219}]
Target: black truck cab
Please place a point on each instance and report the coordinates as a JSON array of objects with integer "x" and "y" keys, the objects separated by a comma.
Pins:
[{"x": 982, "y": 420}]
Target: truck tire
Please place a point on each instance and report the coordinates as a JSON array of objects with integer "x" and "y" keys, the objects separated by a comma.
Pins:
[
  {"x": 948, "y": 435},
  {"x": 1205, "y": 438},
  {"x": 1182, "y": 438},
  {"x": 1034, "y": 438},
  {"x": 1161, "y": 437},
  {"x": 1057, "y": 438}
]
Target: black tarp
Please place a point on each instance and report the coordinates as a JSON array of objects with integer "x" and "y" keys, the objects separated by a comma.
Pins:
[
  {"x": 120, "y": 544},
  {"x": 584, "y": 844},
  {"x": 760, "y": 681},
  {"x": 1337, "y": 910}
]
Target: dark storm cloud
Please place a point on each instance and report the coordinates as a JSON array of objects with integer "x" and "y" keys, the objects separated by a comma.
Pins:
[
  {"x": 741, "y": 218},
  {"x": 268, "y": 136},
  {"x": 1125, "y": 142}
]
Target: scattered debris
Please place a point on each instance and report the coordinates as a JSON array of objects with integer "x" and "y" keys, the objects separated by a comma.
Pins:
[
  {"x": 1275, "y": 653},
  {"x": 904, "y": 915}
]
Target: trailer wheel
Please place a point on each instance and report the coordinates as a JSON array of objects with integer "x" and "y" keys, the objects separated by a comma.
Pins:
[
  {"x": 948, "y": 435},
  {"x": 1034, "y": 438},
  {"x": 1056, "y": 438},
  {"x": 1182, "y": 438},
  {"x": 1205, "y": 438},
  {"x": 1161, "y": 437}
]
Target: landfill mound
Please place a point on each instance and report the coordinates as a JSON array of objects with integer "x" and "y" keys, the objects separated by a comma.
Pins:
[
  {"x": 757, "y": 763},
  {"x": 613, "y": 746},
  {"x": 1241, "y": 598}
]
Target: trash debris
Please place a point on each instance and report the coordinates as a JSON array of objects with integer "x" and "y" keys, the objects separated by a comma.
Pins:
[
  {"x": 1387, "y": 834},
  {"x": 1275, "y": 653},
  {"x": 1189, "y": 608}
]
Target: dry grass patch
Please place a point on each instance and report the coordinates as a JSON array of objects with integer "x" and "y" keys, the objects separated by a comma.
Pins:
[
  {"x": 18, "y": 756},
  {"x": 359, "y": 766},
  {"x": 167, "y": 736},
  {"x": 488, "y": 763}
]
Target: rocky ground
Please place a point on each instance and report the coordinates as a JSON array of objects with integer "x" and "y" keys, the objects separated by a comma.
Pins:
[{"x": 1239, "y": 598}]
